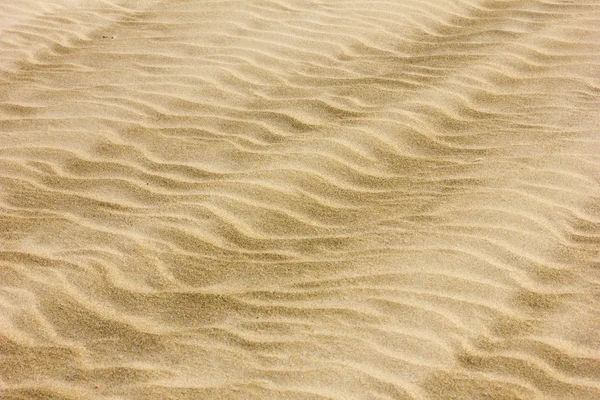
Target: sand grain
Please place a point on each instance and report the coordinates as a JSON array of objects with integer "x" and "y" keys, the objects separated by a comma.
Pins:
[{"x": 299, "y": 199}]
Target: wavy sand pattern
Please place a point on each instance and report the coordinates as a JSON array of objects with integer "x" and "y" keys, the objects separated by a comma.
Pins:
[{"x": 299, "y": 199}]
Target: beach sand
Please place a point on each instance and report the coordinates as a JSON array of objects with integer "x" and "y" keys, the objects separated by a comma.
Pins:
[{"x": 295, "y": 199}]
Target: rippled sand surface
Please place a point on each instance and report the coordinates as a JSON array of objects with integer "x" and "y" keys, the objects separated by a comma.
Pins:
[{"x": 294, "y": 199}]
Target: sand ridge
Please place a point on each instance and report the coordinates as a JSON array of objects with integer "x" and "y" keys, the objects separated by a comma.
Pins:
[{"x": 299, "y": 199}]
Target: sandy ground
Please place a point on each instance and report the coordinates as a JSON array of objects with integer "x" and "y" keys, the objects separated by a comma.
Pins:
[{"x": 294, "y": 199}]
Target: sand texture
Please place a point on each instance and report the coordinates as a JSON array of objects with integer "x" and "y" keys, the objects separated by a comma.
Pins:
[{"x": 299, "y": 199}]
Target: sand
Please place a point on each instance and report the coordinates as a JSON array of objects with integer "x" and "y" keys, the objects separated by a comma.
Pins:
[{"x": 294, "y": 199}]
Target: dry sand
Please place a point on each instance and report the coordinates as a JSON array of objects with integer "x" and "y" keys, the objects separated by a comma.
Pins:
[{"x": 293, "y": 199}]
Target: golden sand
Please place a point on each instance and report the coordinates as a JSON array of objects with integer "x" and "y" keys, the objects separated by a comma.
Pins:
[{"x": 294, "y": 199}]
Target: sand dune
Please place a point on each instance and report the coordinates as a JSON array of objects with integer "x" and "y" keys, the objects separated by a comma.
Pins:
[{"x": 299, "y": 199}]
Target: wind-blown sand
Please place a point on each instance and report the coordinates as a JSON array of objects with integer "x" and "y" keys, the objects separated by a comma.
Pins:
[{"x": 299, "y": 199}]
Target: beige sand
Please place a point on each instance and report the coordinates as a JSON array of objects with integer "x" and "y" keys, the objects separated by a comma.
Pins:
[{"x": 293, "y": 199}]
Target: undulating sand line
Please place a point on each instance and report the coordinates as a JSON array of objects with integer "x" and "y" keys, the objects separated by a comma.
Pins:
[{"x": 299, "y": 199}]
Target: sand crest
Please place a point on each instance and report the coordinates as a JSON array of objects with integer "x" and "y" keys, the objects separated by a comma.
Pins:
[{"x": 299, "y": 199}]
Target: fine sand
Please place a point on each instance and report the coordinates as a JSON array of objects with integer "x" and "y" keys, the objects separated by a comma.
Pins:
[{"x": 294, "y": 199}]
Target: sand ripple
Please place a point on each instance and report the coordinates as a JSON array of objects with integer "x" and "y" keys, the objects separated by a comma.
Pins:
[{"x": 299, "y": 199}]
